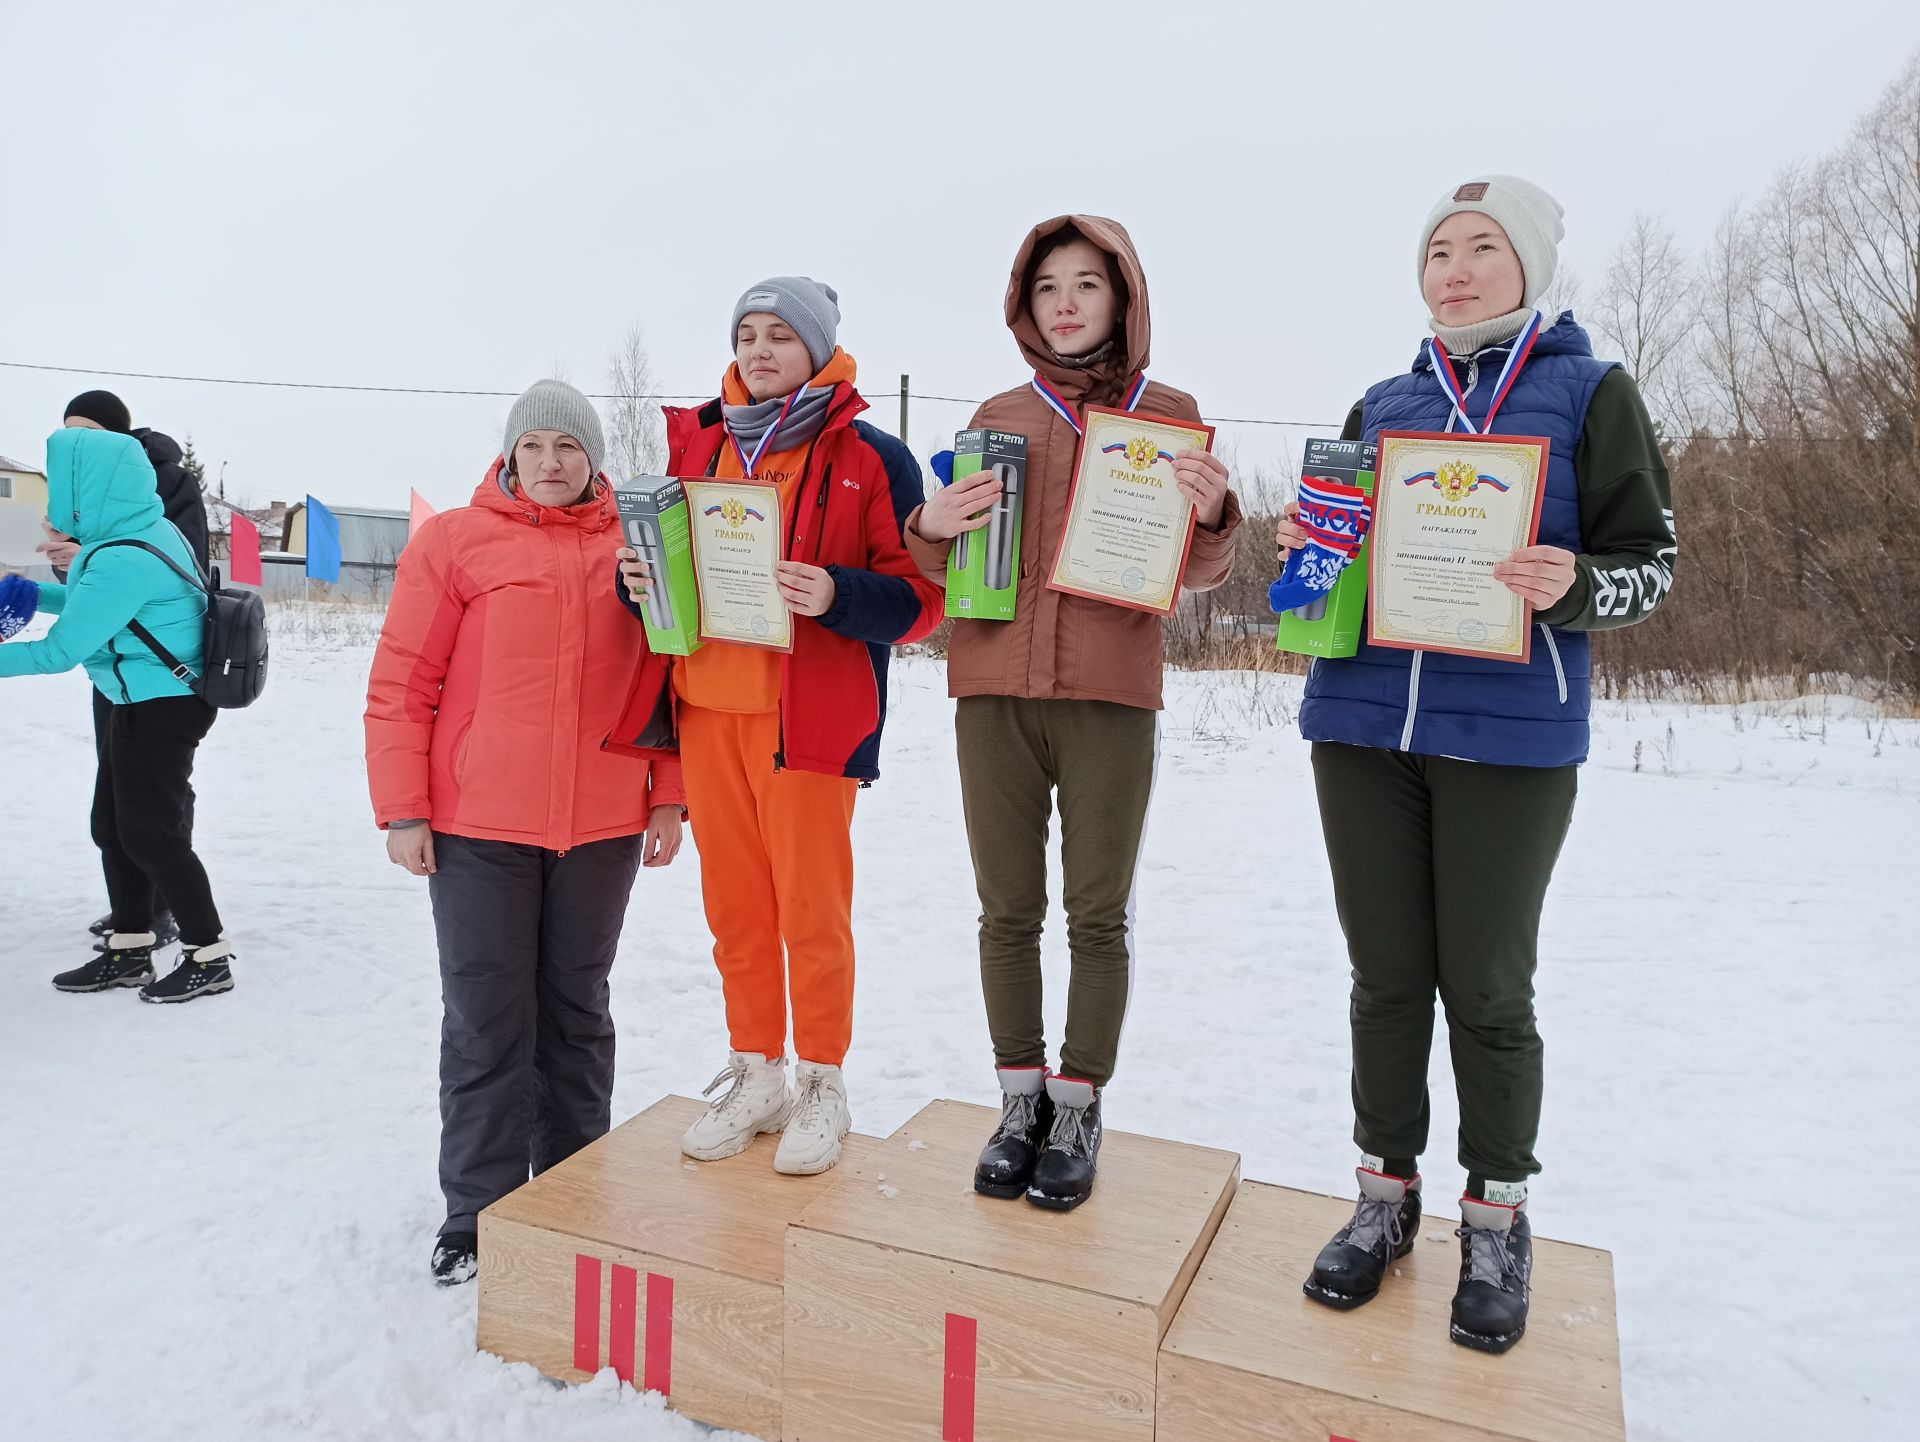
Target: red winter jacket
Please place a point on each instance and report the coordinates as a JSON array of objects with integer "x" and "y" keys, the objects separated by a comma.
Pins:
[
  {"x": 855, "y": 494},
  {"x": 501, "y": 670}
]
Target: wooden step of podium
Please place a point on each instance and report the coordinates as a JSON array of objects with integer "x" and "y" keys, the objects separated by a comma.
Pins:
[
  {"x": 629, "y": 1255},
  {"x": 1251, "y": 1359},
  {"x": 918, "y": 1309}
]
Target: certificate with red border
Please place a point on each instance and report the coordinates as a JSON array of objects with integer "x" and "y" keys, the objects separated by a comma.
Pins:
[
  {"x": 736, "y": 530},
  {"x": 1129, "y": 527},
  {"x": 1446, "y": 507}
]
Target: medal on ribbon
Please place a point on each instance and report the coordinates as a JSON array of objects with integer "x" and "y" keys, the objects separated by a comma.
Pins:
[
  {"x": 1052, "y": 397},
  {"x": 1509, "y": 373},
  {"x": 750, "y": 464}
]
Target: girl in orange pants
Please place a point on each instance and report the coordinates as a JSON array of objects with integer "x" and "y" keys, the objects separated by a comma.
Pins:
[{"x": 776, "y": 744}]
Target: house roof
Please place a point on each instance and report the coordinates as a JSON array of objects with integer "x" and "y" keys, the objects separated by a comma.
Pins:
[
  {"x": 18, "y": 469},
  {"x": 220, "y": 522}
]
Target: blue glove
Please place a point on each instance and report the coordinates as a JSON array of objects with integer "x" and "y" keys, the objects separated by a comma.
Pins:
[
  {"x": 942, "y": 464},
  {"x": 19, "y": 600}
]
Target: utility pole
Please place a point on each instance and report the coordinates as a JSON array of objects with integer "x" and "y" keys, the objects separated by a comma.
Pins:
[{"x": 903, "y": 408}]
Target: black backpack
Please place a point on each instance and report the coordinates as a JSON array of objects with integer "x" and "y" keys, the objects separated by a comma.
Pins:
[{"x": 233, "y": 670}]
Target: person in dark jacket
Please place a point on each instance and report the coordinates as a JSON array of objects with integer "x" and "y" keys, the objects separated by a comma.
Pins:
[
  {"x": 183, "y": 505},
  {"x": 1446, "y": 781}
]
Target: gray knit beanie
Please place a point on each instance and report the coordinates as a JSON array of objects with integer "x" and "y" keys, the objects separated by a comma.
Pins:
[
  {"x": 812, "y": 309},
  {"x": 556, "y": 406},
  {"x": 1529, "y": 216}
]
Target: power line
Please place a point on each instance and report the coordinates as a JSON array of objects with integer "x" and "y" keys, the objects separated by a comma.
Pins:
[{"x": 507, "y": 395}]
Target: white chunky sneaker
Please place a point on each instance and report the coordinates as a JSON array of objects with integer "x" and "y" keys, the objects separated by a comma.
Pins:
[
  {"x": 756, "y": 1101},
  {"x": 811, "y": 1142}
]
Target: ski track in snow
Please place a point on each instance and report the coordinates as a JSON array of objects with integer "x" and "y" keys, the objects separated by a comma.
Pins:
[{"x": 223, "y": 1210}]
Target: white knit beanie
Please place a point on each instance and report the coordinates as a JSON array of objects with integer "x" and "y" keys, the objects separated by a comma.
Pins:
[
  {"x": 552, "y": 405},
  {"x": 1530, "y": 217}
]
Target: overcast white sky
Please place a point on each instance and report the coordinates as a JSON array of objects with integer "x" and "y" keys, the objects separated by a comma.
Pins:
[{"x": 473, "y": 194}]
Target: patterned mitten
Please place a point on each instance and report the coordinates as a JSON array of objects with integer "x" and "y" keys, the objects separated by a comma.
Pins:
[
  {"x": 1335, "y": 517},
  {"x": 19, "y": 599}
]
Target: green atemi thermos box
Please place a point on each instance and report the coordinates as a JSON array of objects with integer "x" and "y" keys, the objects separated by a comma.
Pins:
[
  {"x": 983, "y": 571},
  {"x": 1331, "y": 626},
  {"x": 653, "y": 516}
]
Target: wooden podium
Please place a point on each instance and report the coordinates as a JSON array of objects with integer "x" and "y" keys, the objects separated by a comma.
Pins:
[
  {"x": 917, "y": 1309},
  {"x": 1250, "y": 1359},
  {"x": 629, "y": 1255}
]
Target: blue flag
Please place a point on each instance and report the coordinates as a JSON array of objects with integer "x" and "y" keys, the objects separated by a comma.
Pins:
[{"x": 323, "y": 542}]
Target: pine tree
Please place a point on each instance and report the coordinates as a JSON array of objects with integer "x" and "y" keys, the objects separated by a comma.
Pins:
[{"x": 194, "y": 466}]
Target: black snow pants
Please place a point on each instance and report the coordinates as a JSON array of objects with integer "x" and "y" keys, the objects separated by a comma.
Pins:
[{"x": 527, "y": 938}]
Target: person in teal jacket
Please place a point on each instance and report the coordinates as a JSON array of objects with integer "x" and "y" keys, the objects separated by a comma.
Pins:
[{"x": 101, "y": 488}]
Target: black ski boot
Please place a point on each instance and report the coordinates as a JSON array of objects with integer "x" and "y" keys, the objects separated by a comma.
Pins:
[
  {"x": 166, "y": 931},
  {"x": 203, "y": 971},
  {"x": 456, "y": 1258},
  {"x": 128, "y": 964},
  {"x": 1496, "y": 1276},
  {"x": 1026, "y": 1116},
  {"x": 1350, "y": 1268},
  {"x": 1063, "y": 1177}
]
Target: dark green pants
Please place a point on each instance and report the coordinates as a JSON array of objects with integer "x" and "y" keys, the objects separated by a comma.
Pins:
[
  {"x": 1014, "y": 753},
  {"x": 1439, "y": 871}
]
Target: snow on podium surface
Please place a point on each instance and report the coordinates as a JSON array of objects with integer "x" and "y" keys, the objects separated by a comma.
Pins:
[{"x": 1726, "y": 993}]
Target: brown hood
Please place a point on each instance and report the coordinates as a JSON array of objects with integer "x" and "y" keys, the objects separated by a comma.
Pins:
[{"x": 1104, "y": 384}]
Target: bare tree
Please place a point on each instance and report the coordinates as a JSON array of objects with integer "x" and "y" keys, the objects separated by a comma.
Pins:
[
  {"x": 1645, "y": 310},
  {"x": 1564, "y": 293},
  {"x": 636, "y": 438},
  {"x": 1864, "y": 238},
  {"x": 1724, "y": 340}
]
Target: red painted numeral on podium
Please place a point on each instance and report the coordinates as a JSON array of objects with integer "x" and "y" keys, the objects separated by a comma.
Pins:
[
  {"x": 586, "y": 1313},
  {"x": 620, "y": 1321},
  {"x": 963, "y": 1354},
  {"x": 1336, "y": 1437},
  {"x": 622, "y": 1317},
  {"x": 659, "y": 1374}
]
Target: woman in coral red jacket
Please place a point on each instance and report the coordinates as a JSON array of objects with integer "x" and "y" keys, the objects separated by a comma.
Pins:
[
  {"x": 502, "y": 671},
  {"x": 777, "y": 745}
]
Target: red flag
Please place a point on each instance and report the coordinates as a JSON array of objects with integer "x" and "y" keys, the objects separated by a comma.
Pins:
[
  {"x": 243, "y": 551},
  {"x": 422, "y": 513}
]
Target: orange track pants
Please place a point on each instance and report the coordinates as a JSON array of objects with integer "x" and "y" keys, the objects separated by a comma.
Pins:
[{"x": 776, "y": 866}]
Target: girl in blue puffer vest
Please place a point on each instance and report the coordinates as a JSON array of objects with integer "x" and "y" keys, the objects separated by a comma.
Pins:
[
  {"x": 1446, "y": 782},
  {"x": 101, "y": 488}
]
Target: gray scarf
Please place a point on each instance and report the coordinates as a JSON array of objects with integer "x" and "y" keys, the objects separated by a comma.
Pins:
[
  {"x": 1088, "y": 361},
  {"x": 1465, "y": 340},
  {"x": 748, "y": 423}
]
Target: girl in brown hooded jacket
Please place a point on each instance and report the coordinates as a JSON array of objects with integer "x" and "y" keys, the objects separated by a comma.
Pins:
[{"x": 1062, "y": 697}]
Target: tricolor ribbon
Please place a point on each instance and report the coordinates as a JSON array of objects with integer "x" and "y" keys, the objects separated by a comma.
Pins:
[
  {"x": 1481, "y": 479},
  {"x": 750, "y": 464},
  {"x": 1059, "y": 402},
  {"x": 1122, "y": 445},
  {"x": 1509, "y": 373}
]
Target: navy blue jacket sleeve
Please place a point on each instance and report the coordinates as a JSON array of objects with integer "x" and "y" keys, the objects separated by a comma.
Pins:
[
  {"x": 888, "y": 601},
  {"x": 626, "y": 596}
]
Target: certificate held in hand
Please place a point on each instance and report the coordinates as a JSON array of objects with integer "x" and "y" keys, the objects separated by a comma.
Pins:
[
  {"x": 1129, "y": 525},
  {"x": 736, "y": 530},
  {"x": 1447, "y": 507}
]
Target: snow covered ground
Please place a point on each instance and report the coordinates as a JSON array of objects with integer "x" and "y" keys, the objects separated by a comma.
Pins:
[{"x": 220, "y": 1213}]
